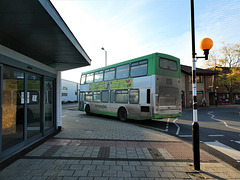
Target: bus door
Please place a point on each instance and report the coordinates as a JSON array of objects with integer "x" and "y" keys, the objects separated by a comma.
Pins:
[{"x": 81, "y": 101}]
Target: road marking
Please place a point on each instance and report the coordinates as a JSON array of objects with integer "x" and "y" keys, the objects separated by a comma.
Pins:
[
  {"x": 215, "y": 135},
  {"x": 178, "y": 130},
  {"x": 235, "y": 154},
  {"x": 167, "y": 125},
  {"x": 210, "y": 113},
  {"x": 185, "y": 135},
  {"x": 237, "y": 142}
]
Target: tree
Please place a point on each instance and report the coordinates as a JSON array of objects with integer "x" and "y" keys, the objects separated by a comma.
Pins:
[{"x": 226, "y": 62}]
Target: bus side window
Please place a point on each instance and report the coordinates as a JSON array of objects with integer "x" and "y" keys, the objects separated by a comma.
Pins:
[
  {"x": 88, "y": 96},
  {"x": 112, "y": 96},
  {"x": 98, "y": 77},
  {"x": 134, "y": 96},
  {"x": 148, "y": 96},
  {"x": 97, "y": 96},
  {"x": 89, "y": 78},
  {"x": 121, "y": 96},
  {"x": 109, "y": 74},
  {"x": 105, "y": 96},
  {"x": 122, "y": 71},
  {"x": 139, "y": 68}
]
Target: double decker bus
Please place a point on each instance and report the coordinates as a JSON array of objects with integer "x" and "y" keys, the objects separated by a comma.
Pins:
[{"x": 143, "y": 88}]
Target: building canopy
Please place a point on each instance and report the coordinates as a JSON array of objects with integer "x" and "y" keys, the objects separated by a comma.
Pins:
[{"x": 35, "y": 28}]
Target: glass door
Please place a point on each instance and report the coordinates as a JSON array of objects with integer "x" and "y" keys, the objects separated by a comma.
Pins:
[
  {"x": 33, "y": 105},
  {"x": 48, "y": 101},
  {"x": 12, "y": 107}
]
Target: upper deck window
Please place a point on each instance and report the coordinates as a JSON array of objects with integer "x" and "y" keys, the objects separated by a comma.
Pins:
[
  {"x": 168, "y": 64},
  {"x": 109, "y": 74},
  {"x": 89, "y": 78},
  {"x": 139, "y": 68},
  {"x": 98, "y": 76},
  {"x": 122, "y": 71},
  {"x": 83, "y": 79}
]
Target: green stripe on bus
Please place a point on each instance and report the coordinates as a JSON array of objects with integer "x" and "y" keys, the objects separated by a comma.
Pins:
[{"x": 158, "y": 116}]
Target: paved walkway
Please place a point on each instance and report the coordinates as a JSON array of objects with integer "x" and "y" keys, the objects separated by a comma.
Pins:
[{"x": 91, "y": 147}]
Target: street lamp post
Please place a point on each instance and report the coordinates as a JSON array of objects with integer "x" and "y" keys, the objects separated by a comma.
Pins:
[
  {"x": 105, "y": 56},
  {"x": 205, "y": 45},
  {"x": 195, "y": 125}
]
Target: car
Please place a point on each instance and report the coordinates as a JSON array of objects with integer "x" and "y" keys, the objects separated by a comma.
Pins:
[{"x": 224, "y": 101}]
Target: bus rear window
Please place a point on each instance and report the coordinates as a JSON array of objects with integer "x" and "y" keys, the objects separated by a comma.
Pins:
[{"x": 168, "y": 64}]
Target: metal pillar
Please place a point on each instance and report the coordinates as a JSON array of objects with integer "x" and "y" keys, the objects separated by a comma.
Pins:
[{"x": 195, "y": 125}]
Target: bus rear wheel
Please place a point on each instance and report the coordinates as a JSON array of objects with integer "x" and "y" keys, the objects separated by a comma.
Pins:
[
  {"x": 122, "y": 114},
  {"x": 87, "y": 110}
]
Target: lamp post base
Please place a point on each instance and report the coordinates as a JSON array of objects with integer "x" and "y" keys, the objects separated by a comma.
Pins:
[{"x": 195, "y": 141}]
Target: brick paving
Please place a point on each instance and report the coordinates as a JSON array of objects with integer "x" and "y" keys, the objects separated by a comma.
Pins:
[{"x": 91, "y": 147}]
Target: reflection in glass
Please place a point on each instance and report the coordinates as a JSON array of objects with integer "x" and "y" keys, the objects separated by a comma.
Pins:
[
  {"x": 33, "y": 105},
  {"x": 48, "y": 91},
  {"x": 12, "y": 107}
]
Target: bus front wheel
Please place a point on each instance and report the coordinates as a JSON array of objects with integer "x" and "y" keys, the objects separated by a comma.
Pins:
[
  {"x": 122, "y": 114},
  {"x": 87, "y": 110}
]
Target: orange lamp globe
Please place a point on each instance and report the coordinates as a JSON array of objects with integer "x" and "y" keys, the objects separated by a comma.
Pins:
[{"x": 206, "y": 43}]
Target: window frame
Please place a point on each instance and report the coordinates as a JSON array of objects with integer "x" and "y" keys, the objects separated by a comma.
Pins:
[{"x": 199, "y": 78}]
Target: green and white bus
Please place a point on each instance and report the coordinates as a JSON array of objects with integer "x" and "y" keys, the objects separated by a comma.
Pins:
[{"x": 143, "y": 88}]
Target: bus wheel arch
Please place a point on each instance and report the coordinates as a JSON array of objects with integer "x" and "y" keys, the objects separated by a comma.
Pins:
[
  {"x": 88, "y": 109},
  {"x": 122, "y": 114}
]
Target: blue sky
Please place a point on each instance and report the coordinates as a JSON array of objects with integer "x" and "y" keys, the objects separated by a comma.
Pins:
[{"x": 132, "y": 28}]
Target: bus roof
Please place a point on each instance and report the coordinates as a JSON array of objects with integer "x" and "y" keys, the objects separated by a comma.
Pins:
[{"x": 132, "y": 60}]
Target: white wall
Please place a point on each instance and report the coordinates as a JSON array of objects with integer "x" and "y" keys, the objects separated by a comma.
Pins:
[{"x": 69, "y": 89}]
